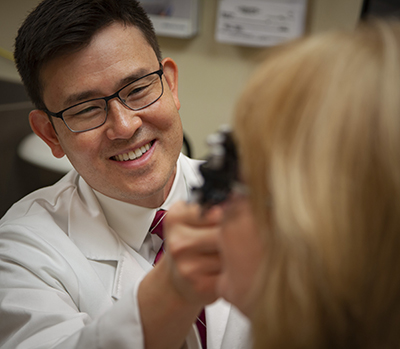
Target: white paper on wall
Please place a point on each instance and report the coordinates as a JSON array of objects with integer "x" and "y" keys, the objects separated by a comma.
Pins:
[
  {"x": 176, "y": 18},
  {"x": 260, "y": 22}
]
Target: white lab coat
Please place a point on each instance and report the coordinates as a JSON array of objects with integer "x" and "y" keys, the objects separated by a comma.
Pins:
[{"x": 67, "y": 280}]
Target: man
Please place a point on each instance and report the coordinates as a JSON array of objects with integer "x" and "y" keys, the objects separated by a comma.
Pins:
[{"x": 76, "y": 258}]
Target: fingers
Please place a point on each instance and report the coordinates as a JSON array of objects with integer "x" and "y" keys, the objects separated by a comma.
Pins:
[
  {"x": 192, "y": 252},
  {"x": 196, "y": 278},
  {"x": 188, "y": 231},
  {"x": 184, "y": 238},
  {"x": 193, "y": 214}
]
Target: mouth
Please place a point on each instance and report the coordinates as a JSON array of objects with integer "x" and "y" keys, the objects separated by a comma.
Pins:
[{"x": 133, "y": 154}]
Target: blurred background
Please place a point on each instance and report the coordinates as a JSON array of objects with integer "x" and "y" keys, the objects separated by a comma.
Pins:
[{"x": 211, "y": 76}]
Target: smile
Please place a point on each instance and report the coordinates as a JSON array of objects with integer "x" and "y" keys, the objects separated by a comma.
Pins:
[{"x": 134, "y": 154}]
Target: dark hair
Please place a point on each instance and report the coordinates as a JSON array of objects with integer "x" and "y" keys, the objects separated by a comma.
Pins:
[{"x": 57, "y": 27}]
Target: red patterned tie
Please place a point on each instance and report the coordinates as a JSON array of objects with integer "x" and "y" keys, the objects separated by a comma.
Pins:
[{"x": 157, "y": 228}]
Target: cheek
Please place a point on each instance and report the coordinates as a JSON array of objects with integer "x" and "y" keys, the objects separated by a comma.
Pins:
[
  {"x": 164, "y": 120},
  {"x": 241, "y": 256},
  {"x": 80, "y": 147},
  {"x": 167, "y": 118},
  {"x": 241, "y": 252},
  {"x": 168, "y": 125}
]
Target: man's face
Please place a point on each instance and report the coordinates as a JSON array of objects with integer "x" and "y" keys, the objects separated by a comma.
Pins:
[{"x": 115, "y": 55}]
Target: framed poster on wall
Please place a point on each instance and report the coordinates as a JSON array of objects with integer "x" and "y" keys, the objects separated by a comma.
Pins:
[
  {"x": 260, "y": 23},
  {"x": 176, "y": 18}
]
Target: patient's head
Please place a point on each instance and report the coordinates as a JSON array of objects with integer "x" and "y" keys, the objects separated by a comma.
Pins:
[{"x": 318, "y": 130}]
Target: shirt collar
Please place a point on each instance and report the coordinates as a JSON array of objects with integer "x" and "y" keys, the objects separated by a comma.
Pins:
[{"x": 132, "y": 222}]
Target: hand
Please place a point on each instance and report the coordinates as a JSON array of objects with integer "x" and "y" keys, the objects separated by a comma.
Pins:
[
  {"x": 192, "y": 253},
  {"x": 184, "y": 280}
]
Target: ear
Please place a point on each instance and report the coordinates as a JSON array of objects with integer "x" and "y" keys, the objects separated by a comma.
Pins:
[
  {"x": 171, "y": 75},
  {"x": 42, "y": 126}
]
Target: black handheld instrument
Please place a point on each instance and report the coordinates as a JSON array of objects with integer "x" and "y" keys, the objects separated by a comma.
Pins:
[{"x": 220, "y": 171}]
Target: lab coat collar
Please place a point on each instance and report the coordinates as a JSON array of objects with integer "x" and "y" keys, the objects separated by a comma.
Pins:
[{"x": 88, "y": 227}]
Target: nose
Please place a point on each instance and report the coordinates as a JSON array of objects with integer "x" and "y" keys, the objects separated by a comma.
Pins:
[{"x": 122, "y": 122}]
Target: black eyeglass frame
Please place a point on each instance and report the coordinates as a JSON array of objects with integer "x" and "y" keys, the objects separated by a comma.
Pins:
[{"x": 59, "y": 114}]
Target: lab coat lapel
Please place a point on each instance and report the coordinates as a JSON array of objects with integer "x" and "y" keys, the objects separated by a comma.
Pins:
[
  {"x": 226, "y": 327},
  {"x": 217, "y": 315},
  {"x": 237, "y": 332},
  {"x": 89, "y": 229},
  {"x": 129, "y": 272}
]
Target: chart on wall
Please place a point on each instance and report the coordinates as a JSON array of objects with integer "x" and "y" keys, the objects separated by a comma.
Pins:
[
  {"x": 260, "y": 22},
  {"x": 176, "y": 18}
]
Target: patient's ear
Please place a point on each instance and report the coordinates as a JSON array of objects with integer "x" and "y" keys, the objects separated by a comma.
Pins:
[{"x": 42, "y": 126}]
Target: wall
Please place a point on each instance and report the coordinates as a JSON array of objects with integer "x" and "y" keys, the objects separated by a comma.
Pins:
[{"x": 211, "y": 74}]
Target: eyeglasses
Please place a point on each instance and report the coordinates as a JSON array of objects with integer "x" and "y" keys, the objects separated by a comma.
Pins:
[{"x": 137, "y": 95}]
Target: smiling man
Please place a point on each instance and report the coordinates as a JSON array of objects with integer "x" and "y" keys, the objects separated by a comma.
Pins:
[
  {"x": 77, "y": 258},
  {"x": 115, "y": 56}
]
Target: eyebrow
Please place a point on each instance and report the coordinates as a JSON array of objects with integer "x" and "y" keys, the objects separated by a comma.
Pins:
[{"x": 92, "y": 94}]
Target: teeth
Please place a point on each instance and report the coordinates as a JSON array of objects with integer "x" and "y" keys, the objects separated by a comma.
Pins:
[{"x": 132, "y": 155}]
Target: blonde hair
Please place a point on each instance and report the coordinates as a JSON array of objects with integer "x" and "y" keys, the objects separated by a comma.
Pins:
[{"x": 318, "y": 128}]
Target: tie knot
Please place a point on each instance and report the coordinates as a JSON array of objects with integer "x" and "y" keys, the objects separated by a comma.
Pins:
[{"x": 157, "y": 224}]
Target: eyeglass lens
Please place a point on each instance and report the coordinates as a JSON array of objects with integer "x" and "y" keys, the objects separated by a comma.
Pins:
[{"x": 137, "y": 95}]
